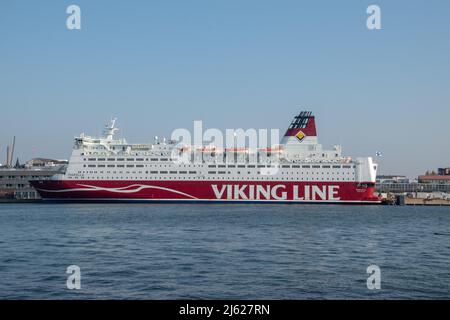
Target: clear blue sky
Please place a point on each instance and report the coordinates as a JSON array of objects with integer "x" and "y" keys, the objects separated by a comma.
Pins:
[{"x": 159, "y": 65}]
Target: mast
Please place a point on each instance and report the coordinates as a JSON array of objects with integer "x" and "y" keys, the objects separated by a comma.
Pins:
[{"x": 110, "y": 130}]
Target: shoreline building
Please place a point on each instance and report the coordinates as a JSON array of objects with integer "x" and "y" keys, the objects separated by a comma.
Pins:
[
  {"x": 15, "y": 181},
  {"x": 442, "y": 177},
  {"x": 386, "y": 179}
]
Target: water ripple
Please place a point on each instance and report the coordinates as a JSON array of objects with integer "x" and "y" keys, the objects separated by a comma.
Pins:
[{"x": 223, "y": 251}]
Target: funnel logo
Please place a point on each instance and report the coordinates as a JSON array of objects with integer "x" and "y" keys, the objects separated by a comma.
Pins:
[{"x": 300, "y": 136}]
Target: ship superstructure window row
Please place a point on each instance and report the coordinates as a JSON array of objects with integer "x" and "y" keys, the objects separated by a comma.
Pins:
[{"x": 169, "y": 176}]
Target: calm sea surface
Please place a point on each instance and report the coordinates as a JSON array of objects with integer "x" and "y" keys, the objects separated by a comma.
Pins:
[{"x": 223, "y": 251}]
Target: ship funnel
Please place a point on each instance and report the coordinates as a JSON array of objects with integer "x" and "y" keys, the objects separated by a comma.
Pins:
[{"x": 304, "y": 125}]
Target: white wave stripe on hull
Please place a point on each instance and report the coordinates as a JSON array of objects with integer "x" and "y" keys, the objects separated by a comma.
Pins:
[{"x": 116, "y": 190}]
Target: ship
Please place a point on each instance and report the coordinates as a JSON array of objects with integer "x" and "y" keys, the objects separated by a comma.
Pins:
[{"x": 296, "y": 170}]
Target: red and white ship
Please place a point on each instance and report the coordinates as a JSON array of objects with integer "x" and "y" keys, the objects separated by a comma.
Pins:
[{"x": 297, "y": 170}]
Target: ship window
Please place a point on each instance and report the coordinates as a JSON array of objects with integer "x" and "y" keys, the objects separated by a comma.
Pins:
[
  {"x": 306, "y": 166},
  {"x": 163, "y": 172},
  {"x": 173, "y": 172},
  {"x": 221, "y": 166},
  {"x": 130, "y": 165},
  {"x": 91, "y": 159},
  {"x": 316, "y": 167},
  {"x": 153, "y": 159},
  {"x": 325, "y": 166},
  {"x": 139, "y": 159},
  {"x": 261, "y": 166},
  {"x": 139, "y": 166},
  {"x": 211, "y": 172},
  {"x": 164, "y": 159},
  {"x": 111, "y": 166},
  {"x": 121, "y": 159},
  {"x": 285, "y": 166},
  {"x": 101, "y": 165},
  {"x": 232, "y": 166},
  {"x": 130, "y": 159},
  {"x": 211, "y": 166},
  {"x": 222, "y": 172},
  {"x": 241, "y": 166},
  {"x": 120, "y": 166},
  {"x": 250, "y": 166},
  {"x": 91, "y": 166},
  {"x": 183, "y": 172},
  {"x": 111, "y": 159},
  {"x": 153, "y": 172},
  {"x": 346, "y": 167},
  {"x": 192, "y": 172},
  {"x": 296, "y": 166},
  {"x": 101, "y": 159},
  {"x": 337, "y": 167}
]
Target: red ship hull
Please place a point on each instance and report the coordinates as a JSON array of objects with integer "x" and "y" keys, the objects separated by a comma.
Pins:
[{"x": 207, "y": 191}]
